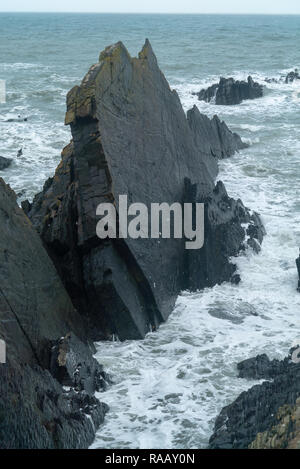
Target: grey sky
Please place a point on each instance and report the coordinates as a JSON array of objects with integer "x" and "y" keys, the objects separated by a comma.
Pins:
[{"x": 157, "y": 6}]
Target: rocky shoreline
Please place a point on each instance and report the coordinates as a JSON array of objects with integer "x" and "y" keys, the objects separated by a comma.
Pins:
[
  {"x": 63, "y": 288},
  {"x": 266, "y": 416}
]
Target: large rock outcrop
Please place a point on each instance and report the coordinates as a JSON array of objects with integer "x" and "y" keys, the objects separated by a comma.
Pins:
[
  {"x": 4, "y": 162},
  {"x": 266, "y": 416},
  {"x": 35, "y": 314},
  {"x": 230, "y": 92},
  {"x": 131, "y": 136}
]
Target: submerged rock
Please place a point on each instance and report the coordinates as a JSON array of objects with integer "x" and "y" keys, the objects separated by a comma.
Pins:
[
  {"x": 289, "y": 78},
  {"x": 35, "y": 311},
  {"x": 5, "y": 162},
  {"x": 272, "y": 80},
  {"x": 253, "y": 420},
  {"x": 292, "y": 76},
  {"x": 230, "y": 92},
  {"x": 131, "y": 136}
]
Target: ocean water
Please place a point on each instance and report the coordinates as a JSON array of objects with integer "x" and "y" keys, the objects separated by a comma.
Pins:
[{"x": 170, "y": 387}]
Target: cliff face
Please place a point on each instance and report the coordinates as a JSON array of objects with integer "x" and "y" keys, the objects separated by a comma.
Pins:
[
  {"x": 131, "y": 136},
  {"x": 35, "y": 312}
]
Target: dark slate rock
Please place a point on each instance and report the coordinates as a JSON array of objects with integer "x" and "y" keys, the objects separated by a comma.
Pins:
[
  {"x": 126, "y": 141},
  {"x": 71, "y": 364},
  {"x": 292, "y": 76},
  {"x": 230, "y": 92},
  {"x": 261, "y": 367},
  {"x": 208, "y": 94},
  {"x": 213, "y": 136},
  {"x": 36, "y": 413},
  {"x": 224, "y": 236},
  {"x": 5, "y": 162},
  {"x": 255, "y": 411},
  {"x": 35, "y": 311},
  {"x": 272, "y": 80}
]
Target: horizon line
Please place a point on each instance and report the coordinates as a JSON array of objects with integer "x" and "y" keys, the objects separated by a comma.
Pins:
[{"x": 151, "y": 13}]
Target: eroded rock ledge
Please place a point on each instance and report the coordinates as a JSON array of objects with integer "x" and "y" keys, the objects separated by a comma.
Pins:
[{"x": 131, "y": 136}]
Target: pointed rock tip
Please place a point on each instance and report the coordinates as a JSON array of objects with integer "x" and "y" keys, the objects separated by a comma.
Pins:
[
  {"x": 113, "y": 50},
  {"x": 147, "y": 50}
]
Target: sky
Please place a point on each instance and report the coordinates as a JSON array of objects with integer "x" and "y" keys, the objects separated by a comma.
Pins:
[{"x": 156, "y": 6}]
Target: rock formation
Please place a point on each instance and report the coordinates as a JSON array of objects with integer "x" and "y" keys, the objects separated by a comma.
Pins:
[
  {"x": 131, "y": 136},
  {"x": 268, "y": 414},
  {"x": 4, "y": 162},
  {"x": 213, "y": 136},
  {"x": 289, "y": 78},
  {"x": 35, "y": 314},
  {"x": 229, "y": 92},
  {"x": 292, "y": 76}
]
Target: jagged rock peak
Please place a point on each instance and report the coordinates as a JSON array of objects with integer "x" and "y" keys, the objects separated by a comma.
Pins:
[{"x": 132, "y": 137}]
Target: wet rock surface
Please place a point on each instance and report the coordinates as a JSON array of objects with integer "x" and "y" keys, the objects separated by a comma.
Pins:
[
  {"x": 5, "y": 162},
  {"x": 213, "y": 136},
  {"x": 226, "y": 238},
  {"x": 289, "y": 78},
  {"x": 292, "y": 76},
  {"x": 72, "y": 366},
  {"x": 35, "y": 311},
  {"x": 128, "y": 141},
  {"x": 253, "y": 419},
  {"x": 230, "y": 92},
  {"x": 36, "y": 413}
]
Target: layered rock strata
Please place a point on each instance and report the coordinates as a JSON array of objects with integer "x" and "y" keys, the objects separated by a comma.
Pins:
[
  {"x": 131, "y": 137},
  {"x": 266, "y": 416},
  {"x": 35, "y": 313}
]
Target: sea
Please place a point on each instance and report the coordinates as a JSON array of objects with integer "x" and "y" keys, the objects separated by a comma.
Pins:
[{"x": 169, "y": 387}]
